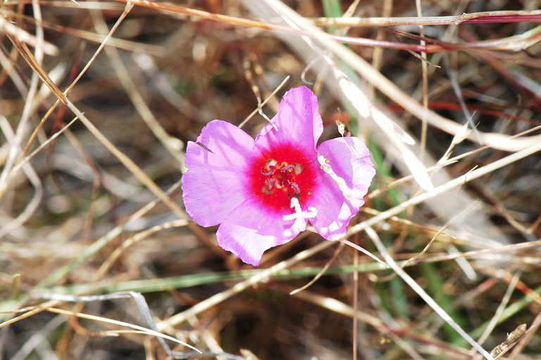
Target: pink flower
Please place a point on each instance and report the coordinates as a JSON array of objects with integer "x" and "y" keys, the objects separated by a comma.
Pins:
[{"x": 264, "y": 192}]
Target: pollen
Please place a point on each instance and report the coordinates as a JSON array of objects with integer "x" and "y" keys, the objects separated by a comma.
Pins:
[{"x": 281, "y": 174}]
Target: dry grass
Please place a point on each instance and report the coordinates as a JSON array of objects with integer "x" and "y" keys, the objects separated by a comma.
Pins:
[{"x": 98, "y": 259}]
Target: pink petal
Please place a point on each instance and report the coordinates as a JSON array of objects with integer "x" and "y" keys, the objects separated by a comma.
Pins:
[
  {"x": 349, "y": 159},
  {"x": 250, "y": 230},
  {"x": 215, "y": 182},
  {"x": 297, "y": 121}
]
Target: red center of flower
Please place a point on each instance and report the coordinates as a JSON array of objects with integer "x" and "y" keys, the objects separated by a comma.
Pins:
[{"x": 280, "y": 174}]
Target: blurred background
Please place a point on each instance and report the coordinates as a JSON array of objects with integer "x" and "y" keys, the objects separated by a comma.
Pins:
[{"x": 80, "y": 208}]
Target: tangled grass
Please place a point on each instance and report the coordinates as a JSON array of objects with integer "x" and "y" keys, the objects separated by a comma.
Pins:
[{"x": 99, "y": 260}]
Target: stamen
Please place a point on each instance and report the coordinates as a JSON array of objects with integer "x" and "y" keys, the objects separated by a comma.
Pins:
[
  {"x": 288, "y": 167},
  {"x": 280, "y": 174},
  {"x": 268, "y": 187},
  {"x": 299, "y": 216},
  {"x": 296, "y": 189}
]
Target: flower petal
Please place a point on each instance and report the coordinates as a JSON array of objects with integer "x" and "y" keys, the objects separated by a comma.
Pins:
[
  {"x": 347, "y": 171},
  {"x": 250, "y": 230},
  {"x": 215, "y": 182},
  {"x": 334, "y": 211},
  {"x": 244, "y": 242},
  {"x": 297, "y": 121},
  {"x": 350, "y": 159}
]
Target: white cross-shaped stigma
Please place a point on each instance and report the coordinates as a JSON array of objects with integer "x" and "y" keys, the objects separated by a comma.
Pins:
[{"x": 299, "y": 216}]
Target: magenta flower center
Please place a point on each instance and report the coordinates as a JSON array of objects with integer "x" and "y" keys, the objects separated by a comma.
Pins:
[{"x": 280, "y": 174}]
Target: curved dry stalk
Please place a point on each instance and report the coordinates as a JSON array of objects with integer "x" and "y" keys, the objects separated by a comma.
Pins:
[
  {"x": 476, "y": 17},
  {"x": 499, "y": 311},
  {"x": 61, "y": 96},
  {"x": 241, "y": 286},
  {"x": 443, "y": 162},
  {"x": 423, "y": 294},
  {"x": 24, "y": 37},
  {"x": 91, "y": 5},
  {"x": 515, "y": 43},
  {"x": 176, "y": 10},
  {"x": 102, "y": 242},
  {"x": 132, "y": 240},
  {"x": 15, "y": 139},
  {"x": 29, "y": 106},
  {"x": 321, "y": 273},
  {"x": 125, "y": 160},
  {"x": 129, "y": 85},
  {"x": 456, "y": 182},
  {"x": 142, "y": 308},
  {"x": 32, "y": 176},
  {"x": 37, "y": 338},
  {"x": 91, "y": 36},
  {"x": 339, "y": 307},
  {"x": 143, "y": 330}
]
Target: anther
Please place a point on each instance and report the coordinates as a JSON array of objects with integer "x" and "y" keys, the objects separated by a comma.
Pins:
[
  {"x": 296, "y": 189},
  {"x": 281, "y": 176}
]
